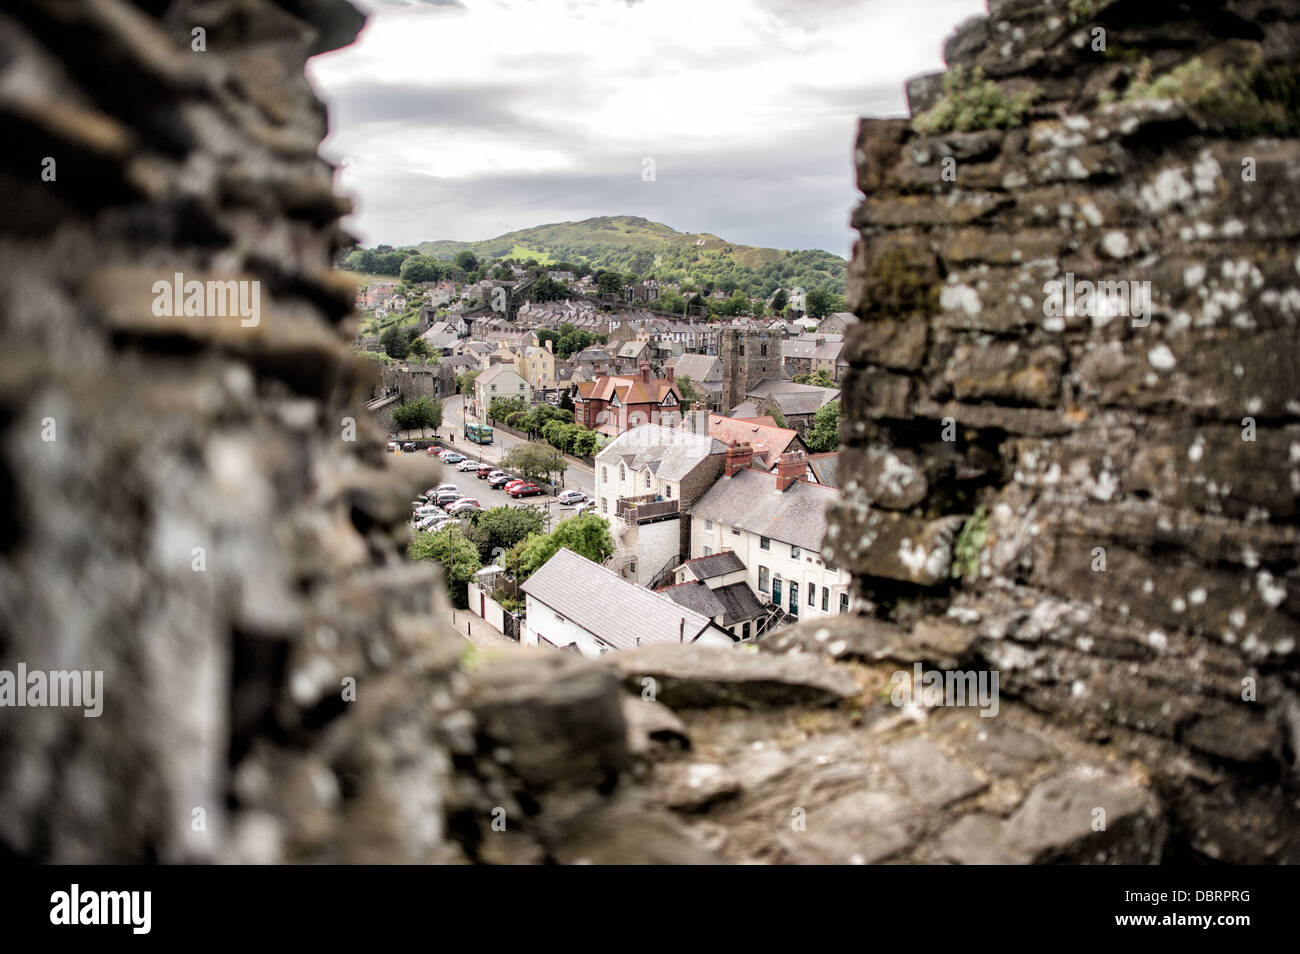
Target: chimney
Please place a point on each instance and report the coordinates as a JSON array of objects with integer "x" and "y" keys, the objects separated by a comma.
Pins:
[
  {"x": 701, "y": 417},
  {"x": 737, "y": 458},
  {"x": 645, "y": 373},
  {"x": 790, "y": 468},
  {"x": 669, "y": 372},
  {"x": 550, "y": 345}
]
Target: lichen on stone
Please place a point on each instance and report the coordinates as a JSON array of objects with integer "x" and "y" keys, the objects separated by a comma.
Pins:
[{"x": 972, "y": 102}]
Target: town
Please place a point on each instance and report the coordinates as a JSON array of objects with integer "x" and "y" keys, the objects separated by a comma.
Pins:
[{"x": 614, "y": 476}]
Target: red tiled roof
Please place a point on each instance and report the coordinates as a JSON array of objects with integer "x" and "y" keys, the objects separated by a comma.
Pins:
[{"x": 768, "y": 440}]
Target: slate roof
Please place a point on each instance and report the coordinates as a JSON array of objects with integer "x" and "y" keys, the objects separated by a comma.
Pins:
[
  {"x": 670, "y": 452},
  {"x": 749, "y": 500},
  {"x": 826, "y": 468},
  {"x": 735, "y": 603},
  {"x": 609, "y": 607},
  {"x": 700, "y": 368},
  {"x": 719, "y": 564},
  {"x": 792, "y": 398}
]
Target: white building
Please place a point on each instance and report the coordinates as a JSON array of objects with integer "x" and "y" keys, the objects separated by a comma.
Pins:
[
  {"x": 498, "y": 381},
  {"x": 644, "y": 478},
  {"x": 581, "y": 606},
  {"x": 775, "y": 523}
]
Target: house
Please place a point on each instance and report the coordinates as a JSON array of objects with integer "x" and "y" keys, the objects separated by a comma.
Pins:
[
  {"x": 837, "y": 323},
  {"x": 775, "y": 524},
  {"x": 767, "y": 440},
  {"x": 824, "y": 468},
  {"x": 644, "y": 480},
  {"x": 715, "y": 586},
  {"x": 795, "y": 403},
  {"x": 705, "y": 373},
  {"x": 577, "y": 605},
  {"x": 498, "y": 381},
  {"x": 612, "y": 404},
  {"x": 631, "y": 355},
  {"x": 440, "y": 337}
]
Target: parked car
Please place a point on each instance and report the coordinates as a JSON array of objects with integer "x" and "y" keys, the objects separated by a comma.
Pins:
[
  {"x": 447, "y": 496},
  {"x": 467, "y": 465},
  {"x": 499, "y": 479},
  {"x": 485, "y": 470},
  {"x": 525, "y": 490},
  {"x": 392, "y": 447},
  {"x": 572, "y": 497},
  {"x": 512, "y": 483},
  {"x": 451, "y": 457},
  {"x": 464, "y": 505},
  {"x": 409, "y": 447},
  {"x": 433, "y": 450}
]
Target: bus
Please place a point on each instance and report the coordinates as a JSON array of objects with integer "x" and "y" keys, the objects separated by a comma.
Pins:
[{"x": 478, "y": 433}]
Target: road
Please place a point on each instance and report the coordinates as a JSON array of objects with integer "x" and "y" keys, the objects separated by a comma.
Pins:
[{"x": 578, "y": 475}]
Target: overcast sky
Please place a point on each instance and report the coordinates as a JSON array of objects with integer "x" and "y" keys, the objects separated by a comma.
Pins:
[{"x": 464, "y": 119}]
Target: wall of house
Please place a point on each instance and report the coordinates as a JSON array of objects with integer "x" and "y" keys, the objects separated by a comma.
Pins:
[
  {"x": 656, "y": 543},
  {"x": 809, "y": 569},
  {"x": 560, "y": 631}
]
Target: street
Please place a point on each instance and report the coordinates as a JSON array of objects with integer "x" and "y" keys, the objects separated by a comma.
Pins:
[{"x": 577, "y": 476}]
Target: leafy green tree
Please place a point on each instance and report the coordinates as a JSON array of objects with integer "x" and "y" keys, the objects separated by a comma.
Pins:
[
  {"x": 777, "y": 417},
  {"x": 500, "y": 408},
  {"x": 466, "y": 261},
  {"x": 457, "y": 554},
  {"x": 587, "y": 535},
  {"x": 818, "y": 377},
  {"x": 390, "y": 263},
  {"x": 585, "y": 443},
  {"x": 566, "y": 401},
  {"x": 535, "y": 460},
  {"x": 422, "y": 412},
  {"x": 689, "y": 392},
  {"x": 362, "y": 260},
  {"x": 821, "y": 302},
  {"x": 421, "y": 268},
  {"x": 465, "y": 382},
  {"x": 395, "y": 343},
  {"x": 609, "y": 283},
  {"x": 500, "y": 528},
  {"x": 825, "y": 433},
  {"x": 548, "y": 289},
  {"x": 420, "y": 348}
]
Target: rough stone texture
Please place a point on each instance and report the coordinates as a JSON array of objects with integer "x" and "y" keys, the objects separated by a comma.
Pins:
[
  {"x": 1121, "y": 689},
  {"x": 1137, "y": 579}
]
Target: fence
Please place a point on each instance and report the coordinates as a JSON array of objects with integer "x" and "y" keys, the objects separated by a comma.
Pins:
[{"x": 482, "y": 604}]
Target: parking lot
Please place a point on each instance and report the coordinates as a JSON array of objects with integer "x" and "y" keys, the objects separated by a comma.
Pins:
[{"x": 471, "y": 486}]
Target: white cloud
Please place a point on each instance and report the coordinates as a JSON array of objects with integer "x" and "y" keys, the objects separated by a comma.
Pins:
[{"x": 500, "y": 115}]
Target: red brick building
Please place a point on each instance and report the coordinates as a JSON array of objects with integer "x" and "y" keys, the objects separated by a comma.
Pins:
[{"x": 613, "y": 403}]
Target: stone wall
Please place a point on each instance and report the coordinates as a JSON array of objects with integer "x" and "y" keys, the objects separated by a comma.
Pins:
[{"x": 1133, "y": 574}]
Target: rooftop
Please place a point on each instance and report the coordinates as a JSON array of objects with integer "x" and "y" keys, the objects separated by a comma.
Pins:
[
  {"x": 750, "y": 501},
  {"x": 670, "y": 452},
  {"x": 718, "y": 564},
  {"x": 618, "y": 613}
]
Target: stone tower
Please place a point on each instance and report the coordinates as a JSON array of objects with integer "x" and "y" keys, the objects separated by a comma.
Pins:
[{"x": 747, "y": 358}]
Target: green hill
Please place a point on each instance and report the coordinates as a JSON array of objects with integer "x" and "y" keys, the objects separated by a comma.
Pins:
[{"x": 636, "y": 245}]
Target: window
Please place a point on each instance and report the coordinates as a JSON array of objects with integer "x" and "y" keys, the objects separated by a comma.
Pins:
[
  {"x": 708, "y": 551},
  {"x": 622, "y": 472},
  {"x": 762, "y": 351},
  {"x": 826, "y": 599},
  {"x": 844, "y": 602},
  {"x": 795, "y": 552},
  {"x": 776, "y": 591},
  {"x": 708, "y": 524},
  {"x": 494, "y": 387},
  {"x": 794, "y": 598},
  {"x": 744, "y": 631},
  {"x": 647, "y": 477},
  {"x": 604, "y": 505},
  {"x": 735, "y": 531},
  {"x": 762, "y": 579},
  {"x": 668, "y": 491},
  {"x": 764, "y": 543},
  {"x": 604, "y": 474},
  {"x": 812, "y": 595}
]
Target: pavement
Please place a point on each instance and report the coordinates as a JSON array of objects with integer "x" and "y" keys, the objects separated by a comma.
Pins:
[{"x": 479, "y": 631}]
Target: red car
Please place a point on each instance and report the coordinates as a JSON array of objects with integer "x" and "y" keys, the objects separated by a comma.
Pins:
[
  {"x": 524, "y": 490},
  {"x": 510, "y": 485},
  {"x": 484, "y": 470}
]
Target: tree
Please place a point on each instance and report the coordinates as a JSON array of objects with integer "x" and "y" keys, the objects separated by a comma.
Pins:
[
  {"x": 457, "y": 554},
  {"x": 779, "y": 301},
  {"x": 586, "y": 535},
  {"x": 500, "y": 408},
  {"x": 362, "y": 260},
  {"x": 390, "y": 263},
  {"x": 497, "y": 530},
  {"x": 395, "y": 343},
  {"x": 586, "y": 443},
  {"x": 609, "y": 283},
  {"x": 420, "y": 348},
  {"x": 777, "y": 417},
  {"x": 818, "y": 377},
  {"x": 421, "y": 268},
  {"x": 548, "y": 289},
  {"x": 422, "y": 412},
  {"x": 566, "y": 401},
  {"x": 535, "y": 460},
  {"x": 821, "y": 302},
  {"x": 690, "y": 393},
  {"x": 825, "y": 433},
  {"x": 466, "y": 261},
  {"x": 465, "y": 382}
]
